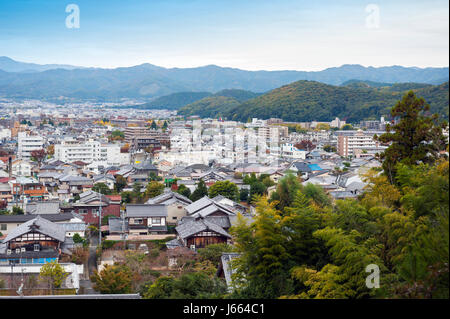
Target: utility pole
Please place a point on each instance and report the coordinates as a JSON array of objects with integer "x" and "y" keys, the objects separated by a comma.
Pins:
[{"x": 100, "y": 222}]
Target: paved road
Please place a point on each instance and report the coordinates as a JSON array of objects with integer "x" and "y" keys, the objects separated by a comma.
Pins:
[{"x": 86, "y": 284}]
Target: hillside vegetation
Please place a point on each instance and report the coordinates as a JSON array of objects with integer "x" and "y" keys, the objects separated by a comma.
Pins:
[{"x": 309, "y": 100}]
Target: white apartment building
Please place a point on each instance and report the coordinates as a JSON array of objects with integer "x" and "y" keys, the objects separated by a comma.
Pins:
[
  {"x": 5, "y": 133},
  {"x": 288, "y": 150},
  {"x": 91, "y": 152},
  {"x": 28, "y": 143},
  {"x": 348, "y": 141}
]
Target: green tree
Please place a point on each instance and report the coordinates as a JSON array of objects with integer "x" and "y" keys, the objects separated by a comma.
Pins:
[
  {"x": 120, "y": 184},
  {"x": 214, "y": 252},
  {"x": 224, "y": 188},
  {"x": 114, "y": 279},
  {"x": 347, "y": 127},
  {"x": 154, "y": 189},
  {"x": 200, "y": 191},
  {"x": 101, "y": 188},
  {"x": 287, "y": 187},
  {"x": 261, "y": 268},
  {"x": 183, "y": 190},
  {"x": 53, "y": 273},
  {"x": 16, "y": 210},
  {"x": 243, "y": 194},
  {"x": 257, "y": 188},
  {"x": 415, "y": 137}
]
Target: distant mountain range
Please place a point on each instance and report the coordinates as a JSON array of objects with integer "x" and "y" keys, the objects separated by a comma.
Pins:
[
  {"x": 10, "y": 65},
  {"x": 146, "y": 81},
  {"x": 176, "y": 101},
  {"x": 303, "y": 101}
]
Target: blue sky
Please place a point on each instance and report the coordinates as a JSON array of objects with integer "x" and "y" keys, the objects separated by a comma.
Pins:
[{"x": 246, "y": 34}]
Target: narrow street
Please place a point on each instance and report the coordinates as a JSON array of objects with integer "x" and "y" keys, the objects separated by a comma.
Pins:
[{"x": 86, "y": 284}]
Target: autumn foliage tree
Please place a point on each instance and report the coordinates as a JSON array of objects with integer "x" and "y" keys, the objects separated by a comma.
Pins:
[
  {"x": 114, "y": 279},
  {"x": 38, "y": 155}
]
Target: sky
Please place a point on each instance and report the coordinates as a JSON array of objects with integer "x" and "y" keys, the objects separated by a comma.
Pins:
[{"x": 245, "y": 34}]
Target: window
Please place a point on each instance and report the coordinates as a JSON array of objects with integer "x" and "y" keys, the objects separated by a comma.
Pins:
[
  {"x": 156, "y": 220},
  {"x": 3, "y": 227},
  {"x": 82, "y": 211},
  {"x": 36, "y": 247},
  {"x": 174, "y": 217}
]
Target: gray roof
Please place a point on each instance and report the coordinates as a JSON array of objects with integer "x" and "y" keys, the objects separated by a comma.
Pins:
[
  {"x": 24, "y": 218},
  {"x": 222, "y": 221},
  {"x": 45, "y": 207},
  {"x": 91, "y": 196},
  {"x": 342, "y": 194},
  {"x": 168, "y": 198},
  {"x": 69, "y": 227},
  {"x": 116, "y": 225},
  {"x": 226, "y": 259},
  {"x": 146, "y": 210},
  {"x": 205, "y": 206},
  {"x": 174, "y": 243},
  {"x": 40, "y": 225},
  {"x": 193, "y": 227}
]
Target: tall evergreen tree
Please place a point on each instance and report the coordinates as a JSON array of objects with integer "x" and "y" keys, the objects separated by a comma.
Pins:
[
  {"x": 416, "y": 137},
  {"x": 200, "y": 191}
]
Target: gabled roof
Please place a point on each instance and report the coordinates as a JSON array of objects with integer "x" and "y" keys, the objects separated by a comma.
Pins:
[
  {"x": 301, "y": 166},
  {"x": 205, "y": 206},
  {"x": 90, "y": 196},
  {"x": 146, "y": 210},
  {"x": 193, "y": 227},
  {"x": 168, "y": 198},
  {"x": 222, "y": 221},
  {"x": 24, "y": 218},
  {"x": 40, "y": 225},
  {"x": 43, "y": 207}
]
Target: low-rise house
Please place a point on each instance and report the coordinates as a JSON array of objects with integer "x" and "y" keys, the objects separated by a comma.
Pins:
[
  {"x": 75, "y": 184},
  {"x": 88, "y": 206},
  {"x": 175, "y": 203},
  {"x": 207, "y": 207},
  {"x": 21, "y": 167},
  {"x": 145, "y": 219},
  {"x": 43, "y": 207},
  {"x": 28, "y": 189},
  {"x": 35, "y": 241},
  {"x": 9, "y": 222},
  {"x": 5, "y": 192},
  {"x": 107, "y": 179},
  {"x": 199, "y": 233}
]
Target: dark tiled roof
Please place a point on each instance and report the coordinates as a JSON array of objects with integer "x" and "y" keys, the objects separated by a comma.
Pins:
[
  {"x": 25, "y": 218},
  {"x": 146, "y": 210},
  {"x": 193, "y": 227}
]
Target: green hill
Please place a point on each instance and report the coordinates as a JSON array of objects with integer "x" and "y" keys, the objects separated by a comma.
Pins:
[
  {"x": 174, "y": 101},
  {"x": 239, "y": 95},
  {"x": 303, "y": 101},
  {"x": 216, "y": 105}
]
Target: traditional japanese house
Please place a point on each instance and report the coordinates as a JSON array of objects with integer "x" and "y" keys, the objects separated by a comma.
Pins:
[{"x": 36, "y": 241}]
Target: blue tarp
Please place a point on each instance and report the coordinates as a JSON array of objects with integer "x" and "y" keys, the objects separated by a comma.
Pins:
[{"x": 314, "y": 167}]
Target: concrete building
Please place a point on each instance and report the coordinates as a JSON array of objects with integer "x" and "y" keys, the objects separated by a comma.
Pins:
[
  {"x": 349, "y": 141},
  {"x": 90, "y": 151},
  {"x": 28, "y": 143}
]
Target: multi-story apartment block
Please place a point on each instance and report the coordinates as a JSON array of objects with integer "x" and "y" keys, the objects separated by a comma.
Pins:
[
  {"x": 374, "y": 125},
  {"x": 288, "y": 150},
  {"x": 348, "y": 141},
  {"x": 89, "y": 152},
  {"x": 28, "y": 143}
]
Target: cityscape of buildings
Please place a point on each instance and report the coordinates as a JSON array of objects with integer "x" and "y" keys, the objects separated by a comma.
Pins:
[{"x": 52, "y": 158}]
